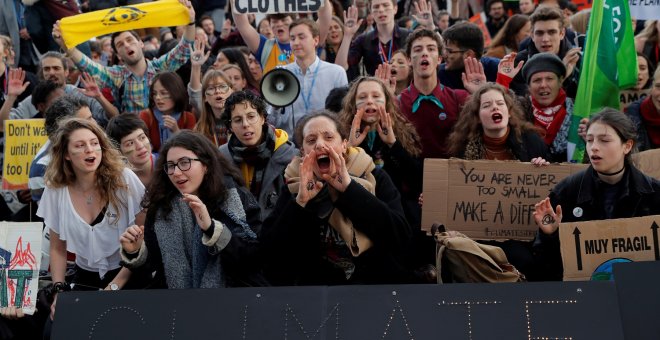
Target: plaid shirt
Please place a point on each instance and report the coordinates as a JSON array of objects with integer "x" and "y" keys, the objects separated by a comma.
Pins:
[{"x": 135, "y": 96}]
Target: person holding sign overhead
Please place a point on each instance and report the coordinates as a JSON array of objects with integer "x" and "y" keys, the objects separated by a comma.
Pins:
[
  {"x": 611, "y": 187},
  {"x": 276, "y": 51},
  {"x": 130, "y": 82}
]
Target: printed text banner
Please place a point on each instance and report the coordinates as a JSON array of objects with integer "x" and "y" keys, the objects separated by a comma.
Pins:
[
  {"x": 588, "y": 249},
  {"x": 645, "y": 9}
]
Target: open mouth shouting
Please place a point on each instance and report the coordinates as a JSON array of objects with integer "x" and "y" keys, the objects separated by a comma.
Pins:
[
  {"x": 323, "y": 162},
  {"x": 497, "y": 117},
  {"x": 424, "y": 64}
]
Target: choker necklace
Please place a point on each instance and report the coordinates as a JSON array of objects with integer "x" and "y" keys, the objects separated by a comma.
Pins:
[{"x": 612, "y": 173}]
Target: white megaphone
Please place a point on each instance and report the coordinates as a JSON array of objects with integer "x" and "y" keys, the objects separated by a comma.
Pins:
[{"x": 280, "y": 87}]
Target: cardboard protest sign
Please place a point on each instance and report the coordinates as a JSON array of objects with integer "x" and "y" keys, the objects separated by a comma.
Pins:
[
  {"x": 627, "y": 97},
  {"x": 644, "y": 9},
  {"x": 488, "y": 200},
  {"x": 588, "y": 249},
  {"x": 23, "y": 139},
  {"x": 276, "y": 6},
  {"x": 20, "y": 244},
  {"x": 648, "y": 162}
]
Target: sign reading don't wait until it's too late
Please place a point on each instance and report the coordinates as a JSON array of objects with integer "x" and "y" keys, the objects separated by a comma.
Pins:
[{"x": 23, "y": 139}]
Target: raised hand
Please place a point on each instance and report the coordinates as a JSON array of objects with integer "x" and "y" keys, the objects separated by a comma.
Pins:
[
  {"x": 474, "y": 75},
  {"x": 546, "y": 218},
  {"x": 197, "y": 56},
  {"x": 16, "y": 84},
  {"x": 191, "y": 10},
  {"x": 199, "y": 210},
  {"x": 507, "y": 67},
  {"x": 91, "y": 89},
  {"x": 384, "y": 126},
  {"x": 131, "y": 239},
  {"x": 351, "y": 21},
  {"x": 570, "y": 60},
  {"x": 357, "y": 134},
  {"x": 339, "y": 178},
  {"x": 384, "y": 73},
  {"x": 582, "y": 128},
  {"x": 57, "y": 35},
  {"x": 309, "y": 185},
  {"x": 424, "y": 14}
]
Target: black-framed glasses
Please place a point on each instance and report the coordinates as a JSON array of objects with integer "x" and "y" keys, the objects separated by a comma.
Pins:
[{"x": 183, "y": 164}]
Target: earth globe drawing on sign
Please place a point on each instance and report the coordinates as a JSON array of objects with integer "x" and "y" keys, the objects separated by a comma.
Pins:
[{"x": 604, "y": 271}]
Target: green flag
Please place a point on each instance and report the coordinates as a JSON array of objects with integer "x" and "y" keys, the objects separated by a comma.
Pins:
[{"x": 609, "y": 64}]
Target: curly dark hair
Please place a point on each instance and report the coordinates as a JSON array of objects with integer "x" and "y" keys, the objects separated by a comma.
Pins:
[
  {"x": 242, "y": 97},
  {"x": 468, "y": 127},
  {"x": 161, "y": 191}
]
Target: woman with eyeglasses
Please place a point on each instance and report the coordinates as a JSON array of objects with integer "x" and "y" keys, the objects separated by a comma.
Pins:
[
  {"x": 167, "y": 113},
  {"x": 202, "y": 223},
  {"x": 208, "y": 96},
  {"x": 90, "y": 199},
  {"x": 260, "y": 151}
]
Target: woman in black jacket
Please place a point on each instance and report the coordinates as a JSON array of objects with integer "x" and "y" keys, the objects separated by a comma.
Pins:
[
  {"x": 340, "y": 221},
  {"x": 610, "y": 188}
]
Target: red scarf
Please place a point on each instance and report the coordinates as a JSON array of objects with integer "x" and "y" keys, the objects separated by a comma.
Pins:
[
  {"x": 550, "y": 117},
  {"x": 651, "y": 118}
]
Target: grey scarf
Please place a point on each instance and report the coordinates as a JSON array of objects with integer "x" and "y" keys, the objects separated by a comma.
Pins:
[{"x": 186, "y": 261}]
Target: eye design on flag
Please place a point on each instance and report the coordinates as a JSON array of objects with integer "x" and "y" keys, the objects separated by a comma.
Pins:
[{"x": 121, "y": 15}]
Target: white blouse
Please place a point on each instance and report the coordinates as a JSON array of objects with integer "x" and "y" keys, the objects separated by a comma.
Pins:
[{"x": 96, "y": 247}]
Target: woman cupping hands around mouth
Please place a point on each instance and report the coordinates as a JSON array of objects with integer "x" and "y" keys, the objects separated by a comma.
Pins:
[{"x": 340, "y": 221}]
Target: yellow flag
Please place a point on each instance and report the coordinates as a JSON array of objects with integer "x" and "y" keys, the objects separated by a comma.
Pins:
[{"x": 80, "y": 28}]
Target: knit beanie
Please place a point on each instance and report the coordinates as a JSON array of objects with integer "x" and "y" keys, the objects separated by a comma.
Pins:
[{"x": 543, "y": 62}]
